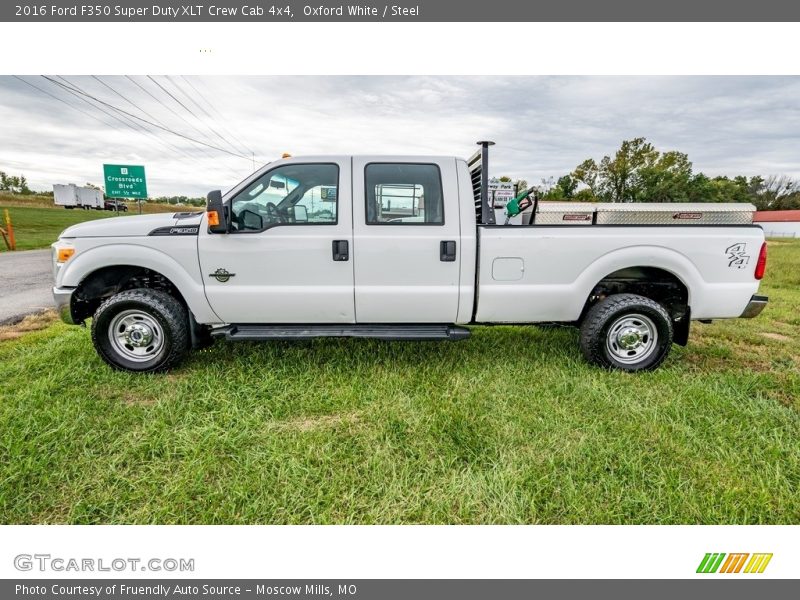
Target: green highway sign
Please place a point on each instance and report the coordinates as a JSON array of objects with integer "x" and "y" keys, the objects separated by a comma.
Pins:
[{"x": 125, "y": 181}]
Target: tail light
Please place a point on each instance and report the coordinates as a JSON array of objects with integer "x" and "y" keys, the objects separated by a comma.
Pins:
[{"x": 761, "y": 265}]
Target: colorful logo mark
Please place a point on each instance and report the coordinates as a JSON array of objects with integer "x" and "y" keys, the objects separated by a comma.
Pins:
[{"x": 713, "y": 562}]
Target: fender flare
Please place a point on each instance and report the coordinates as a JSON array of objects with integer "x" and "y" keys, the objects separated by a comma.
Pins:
[
  {"x": 88, "y": 261},
  {"x": 659, "y": 257}
]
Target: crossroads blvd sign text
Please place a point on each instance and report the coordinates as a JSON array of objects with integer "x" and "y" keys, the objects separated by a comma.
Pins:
[{"x": 125, "y": 181}]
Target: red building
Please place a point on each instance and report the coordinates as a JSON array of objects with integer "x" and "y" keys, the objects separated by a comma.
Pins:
[{"x": 779, "y": 223}]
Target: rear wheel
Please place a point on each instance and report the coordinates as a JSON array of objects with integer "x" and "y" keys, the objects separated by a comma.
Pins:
[
  {"x": 141, "y": 330},
  {"x": 627, "y": 332}
]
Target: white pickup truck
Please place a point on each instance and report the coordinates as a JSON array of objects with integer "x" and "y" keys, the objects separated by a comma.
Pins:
[{"x": 402, "y": 247}]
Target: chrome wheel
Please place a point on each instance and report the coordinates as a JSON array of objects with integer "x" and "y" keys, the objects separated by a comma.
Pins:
[
  {"x": 136, "y": 335},
  {"x": 631, "y": 338}
]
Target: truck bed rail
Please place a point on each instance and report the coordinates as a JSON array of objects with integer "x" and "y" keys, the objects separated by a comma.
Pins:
[{"x": 478, "y": 165}]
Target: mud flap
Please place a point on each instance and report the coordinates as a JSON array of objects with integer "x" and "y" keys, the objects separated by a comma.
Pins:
[{"x": 681, "y": 328}]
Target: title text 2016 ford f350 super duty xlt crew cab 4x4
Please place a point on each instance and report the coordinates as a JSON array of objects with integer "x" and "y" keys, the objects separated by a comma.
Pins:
[{"x": 403, "y": 247}]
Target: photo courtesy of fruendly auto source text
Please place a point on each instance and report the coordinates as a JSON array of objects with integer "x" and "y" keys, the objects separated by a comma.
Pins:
[{"x": 415, "y": 300}]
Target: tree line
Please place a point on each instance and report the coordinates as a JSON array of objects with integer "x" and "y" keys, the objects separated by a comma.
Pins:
[
  {"x": 18, "y": 184},
  {"x": 638, "y": 172}
]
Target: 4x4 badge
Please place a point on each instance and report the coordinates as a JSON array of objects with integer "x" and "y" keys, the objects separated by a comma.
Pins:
[
  {"x": 222, "y": 275},
  {"x": 737, "y": 255}
]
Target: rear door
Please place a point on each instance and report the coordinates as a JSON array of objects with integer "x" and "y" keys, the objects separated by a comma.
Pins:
[{"x": 406, "y": 233}]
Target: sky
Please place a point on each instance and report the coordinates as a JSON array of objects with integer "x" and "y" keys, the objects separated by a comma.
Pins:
[{"x": 543, "y": 126}]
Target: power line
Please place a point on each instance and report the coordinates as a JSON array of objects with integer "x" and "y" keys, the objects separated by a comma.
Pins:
[
  {"x": 195, "y": 102},
  {"x": 75, "y": 90},
  {"x": 221, "y": 120},
  {"x": 168, "y": 93},
  {"x": 143, "y": 111},
  {"x": 214, "y": 131},
  {"x": 80, "y": 110},
  {"x": 236, "y": 174},
  {"x": 146, "y": 91},
  {"x": 80, "y": 95},
  {"x": 193, "y": 114},
  {"x": 202, "y": 152},
  {"x": 219, "y": 114},
  {"x": 170, "y": 109},
  {"x": 223, "y": 150},
  {"x": 128, "y": 100}
]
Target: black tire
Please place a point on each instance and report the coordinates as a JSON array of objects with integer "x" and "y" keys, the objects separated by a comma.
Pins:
[
  {"x": 627, "y": 332},
  {"x": 138, "y": 312}
]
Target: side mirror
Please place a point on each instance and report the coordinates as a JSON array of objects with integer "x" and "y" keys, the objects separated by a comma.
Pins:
[
  {"x": 251, "y": 220},
  {"x": 218, "y": 217},
  {"x": 300, "y": 214}
]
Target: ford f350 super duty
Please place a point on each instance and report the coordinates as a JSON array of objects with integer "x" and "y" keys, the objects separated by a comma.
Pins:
[{"x": 403, "y": 247}]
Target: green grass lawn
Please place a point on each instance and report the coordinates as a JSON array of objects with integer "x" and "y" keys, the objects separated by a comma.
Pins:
[
  {"x": 37, "y": 223},
  {"x": 39, "y": 227},
  {"x": 510, "y": 426}
]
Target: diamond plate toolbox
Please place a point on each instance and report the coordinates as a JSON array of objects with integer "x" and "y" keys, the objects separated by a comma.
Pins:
[{"x": 675, "y": 214}]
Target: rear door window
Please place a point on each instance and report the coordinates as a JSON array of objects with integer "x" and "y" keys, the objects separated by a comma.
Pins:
[{"x": 403, "y": 194}]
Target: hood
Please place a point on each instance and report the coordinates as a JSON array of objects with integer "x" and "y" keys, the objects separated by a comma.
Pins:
[{"x": 134, "y": 226}]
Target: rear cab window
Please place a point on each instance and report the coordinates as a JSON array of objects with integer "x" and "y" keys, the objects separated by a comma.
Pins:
[{"x": 403, "y": 194}]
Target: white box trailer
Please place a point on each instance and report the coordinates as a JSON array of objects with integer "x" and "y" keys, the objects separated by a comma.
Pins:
[
  {"x": 65, "y": 195},
  {"x": 90, "y": 198},
  {"x": 71, "y": 196}
]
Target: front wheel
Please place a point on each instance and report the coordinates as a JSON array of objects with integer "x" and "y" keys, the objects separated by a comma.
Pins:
[
  {"x": 141, "y": 330},
  {"x": 627, "y": 332}
]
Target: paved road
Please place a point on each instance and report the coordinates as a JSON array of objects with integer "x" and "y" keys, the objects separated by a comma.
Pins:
[{"x": 26, "y": 280}]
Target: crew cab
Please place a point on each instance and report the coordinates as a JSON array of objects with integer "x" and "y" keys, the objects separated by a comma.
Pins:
[{"x": 403, "y": 248}]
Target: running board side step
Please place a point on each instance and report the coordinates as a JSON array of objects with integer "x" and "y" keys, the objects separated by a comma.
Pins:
[{"x": 423, "y": 332}]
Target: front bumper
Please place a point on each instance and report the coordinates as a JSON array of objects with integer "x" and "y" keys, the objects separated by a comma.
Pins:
[
  {"x": 754, "y": 307},
  {"x": 63, "y": 298}
]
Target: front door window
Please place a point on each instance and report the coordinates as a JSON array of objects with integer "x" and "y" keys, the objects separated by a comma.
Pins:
[{"x": 303, "y": 194}]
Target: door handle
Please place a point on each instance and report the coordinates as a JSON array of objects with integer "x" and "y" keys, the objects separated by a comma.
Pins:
[
  {"x": 447, "y": 251},
  {"x": 341, "y": 250}
]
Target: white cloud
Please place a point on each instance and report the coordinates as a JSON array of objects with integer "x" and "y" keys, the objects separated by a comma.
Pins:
[{"x": 543, "y": 126}]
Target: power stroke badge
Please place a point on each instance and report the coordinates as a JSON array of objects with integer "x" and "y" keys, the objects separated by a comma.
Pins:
[{"x": 222, "y": 275}]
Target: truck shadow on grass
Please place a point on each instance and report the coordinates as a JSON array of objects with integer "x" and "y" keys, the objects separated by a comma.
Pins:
[{"x": 486, "y": 348}]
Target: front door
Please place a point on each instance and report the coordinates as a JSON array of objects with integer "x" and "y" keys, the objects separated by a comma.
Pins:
[
  {"x": 407, "y": 241},
  {"x": 287, "y": 259}
]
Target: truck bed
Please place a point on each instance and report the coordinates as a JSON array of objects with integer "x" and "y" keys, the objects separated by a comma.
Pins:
[{"x": 546, "y": 273}]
